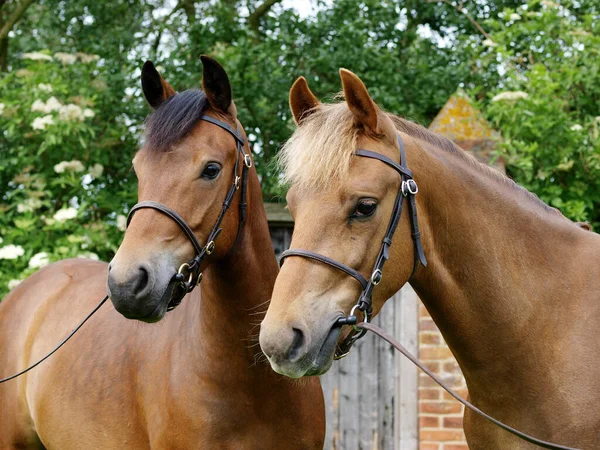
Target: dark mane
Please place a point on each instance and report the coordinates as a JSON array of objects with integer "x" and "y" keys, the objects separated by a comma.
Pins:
[
  {"x": 423, "y": 134},
  {"x": 174, "y": 119}
]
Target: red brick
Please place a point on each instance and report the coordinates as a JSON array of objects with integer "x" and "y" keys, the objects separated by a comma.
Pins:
[
  {"x": 440, "y": 407},
  {"x": 430, "y": 394},
  {"x": 429, "y": 338},
  {"x": 427, "y": 325},
  {"x": 441, "y": 435},
  {"x": 429, "y": 446},
  {"x": 434, "y": 366},
  {"x": 453, "y": 422},
  {"x": 455, "y": 447},
  {"x": 426, "y": 382},
  {"x": 435, "y": 353},
  {"x": 463, "y": 392},
  {"x": 452, "y": 366},
  {"x": 429, "y": 422}
]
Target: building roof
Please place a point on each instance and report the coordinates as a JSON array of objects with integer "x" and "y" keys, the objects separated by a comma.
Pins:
[{"x": 461, "y": 122}]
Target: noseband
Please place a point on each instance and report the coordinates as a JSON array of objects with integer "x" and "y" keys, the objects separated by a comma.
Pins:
[
  {"x": 189, "y": 275},
  {"x": 408, "y": 189}
]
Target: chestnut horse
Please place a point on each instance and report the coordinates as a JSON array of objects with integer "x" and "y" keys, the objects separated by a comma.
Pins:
[
  {"x": 513, "y": 285},
  {"x": 190, "y": 381}
]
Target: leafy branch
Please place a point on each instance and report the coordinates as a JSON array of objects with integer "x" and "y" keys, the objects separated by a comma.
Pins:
[{"x": 461, "y": 10}]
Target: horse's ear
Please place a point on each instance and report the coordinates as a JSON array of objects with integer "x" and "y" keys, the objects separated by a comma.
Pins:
[
  {"x": 215, "y": 84},
  {"x": 359, "y": 101},
  {"x": 302, "y": 101},
  {"x": 156, "y": 89}
]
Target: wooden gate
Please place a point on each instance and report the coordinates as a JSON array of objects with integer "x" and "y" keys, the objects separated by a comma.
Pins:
[{"x": 371, "y": 395}]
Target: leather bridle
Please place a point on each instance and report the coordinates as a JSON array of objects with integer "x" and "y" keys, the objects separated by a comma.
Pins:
[
  {"x": 408, "y": 189},
  {"x": 189, "y": 275}
]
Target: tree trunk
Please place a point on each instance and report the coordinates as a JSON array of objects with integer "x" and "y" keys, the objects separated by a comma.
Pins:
[{"x": 4, "y": 55}]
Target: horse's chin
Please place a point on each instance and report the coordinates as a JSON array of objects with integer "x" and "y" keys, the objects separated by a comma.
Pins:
[
  {"x": 163, "y": 304},
  {"x": 316, "y": 362}
]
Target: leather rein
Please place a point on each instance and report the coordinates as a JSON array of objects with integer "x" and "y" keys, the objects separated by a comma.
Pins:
[
  {"x": 189, "y": 275},
  {"x": 408, "y": 189}
]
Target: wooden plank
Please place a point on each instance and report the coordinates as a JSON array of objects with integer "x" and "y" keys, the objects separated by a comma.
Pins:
[
  {"x": 406, "y": 330},
  {"x": 278, "y": 214},
  {"x": 386, "y": 395},
  {"x": 349, "y": 399}
]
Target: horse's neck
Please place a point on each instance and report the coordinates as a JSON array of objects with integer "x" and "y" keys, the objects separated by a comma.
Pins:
[
  {"x": 501, "y": 266},
  {"x": 236, "y": 290}
]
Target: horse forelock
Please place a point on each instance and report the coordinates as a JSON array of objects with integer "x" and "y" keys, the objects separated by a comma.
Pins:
[
  {"x": 319, "y": 153},
  {"x": 174, "y": 119}
]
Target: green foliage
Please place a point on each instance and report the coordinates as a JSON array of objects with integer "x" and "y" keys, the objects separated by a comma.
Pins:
[
  {"x": 411, "y": 54},
  {"x": 551, "y": 57},
  {"x": 64, "y": 163}
]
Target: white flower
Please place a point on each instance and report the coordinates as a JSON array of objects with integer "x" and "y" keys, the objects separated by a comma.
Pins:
[
  {"x": 38, "y": 105},
  {"x": 514, "y": 17},
  {"x": 65, "y": 58},
  {"x": 13, "y": 284},
  {"x": 85, "y": 58},
  {"x": 576, "y": 127},
  {"x": 2, "y": 106},
  {"x": 121, "y": 222},
  {"x": 36, "y": 56},
  {"x": 89, "y": 255},
  {"x": 96, "y": 170},
  {"x": 489, "y": 43},
  {"x": 45, "y": 87},
  {"x": 29, "y": 205},
  {"x": 51, "y": 105},
  {"x": 71, "y": 113},
  {"x": 69, "y": 166},
  {"x": 11, "y": 251},
  {"x": 87, "y": 112},
  {"x": 65, "y": 214},
  {"x": 549, "y": 4},
  {"x": 39, "y": 260},
  {"x": 39, "y": 123},
  {"x": 510, "y": 95}
]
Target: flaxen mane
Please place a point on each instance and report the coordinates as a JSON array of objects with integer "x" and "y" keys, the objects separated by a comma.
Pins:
[{"x": 320, "y": 151}]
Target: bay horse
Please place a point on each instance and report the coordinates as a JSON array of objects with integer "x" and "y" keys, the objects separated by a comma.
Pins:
[
  {"x": 513, "y": 285},
  {"x": 190, "y": 381}
]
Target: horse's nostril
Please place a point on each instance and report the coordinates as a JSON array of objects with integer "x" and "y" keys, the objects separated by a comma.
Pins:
[
  {"x": 297, "y": 344},
  {"x": 142, "y": 280}
]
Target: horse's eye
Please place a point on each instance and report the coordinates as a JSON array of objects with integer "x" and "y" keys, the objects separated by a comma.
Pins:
[
  {"x": 365, "y": 208},
  {"x": 211, "y": 171}
]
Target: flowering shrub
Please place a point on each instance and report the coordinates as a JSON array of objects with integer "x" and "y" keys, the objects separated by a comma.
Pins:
[
  {"x": 547, "y": 108},
  {"x": 65, "y": 162}
]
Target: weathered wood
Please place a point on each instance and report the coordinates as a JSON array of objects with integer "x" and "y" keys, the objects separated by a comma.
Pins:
[
  {"x": 371, "y": 395},
  {"x": 406, "y": 328},
  {"x": 278, "y": 215}
]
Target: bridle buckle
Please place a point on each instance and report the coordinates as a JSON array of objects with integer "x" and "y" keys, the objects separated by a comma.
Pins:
[
  {"x": 237, "y": 182},
  {"x": 409, "y": 187},
  {"x": 376, "y": 277},
  {"x": 210, "y": 247},
  {"x": 247, "y": 160},
  {"x": 185, "y": 267}
]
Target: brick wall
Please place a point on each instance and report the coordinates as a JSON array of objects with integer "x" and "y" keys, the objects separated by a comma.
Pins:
[{"x": 440, "y": 416}]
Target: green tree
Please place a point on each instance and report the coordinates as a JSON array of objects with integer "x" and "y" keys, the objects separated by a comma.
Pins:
[{"x": 546, "y": 102}]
